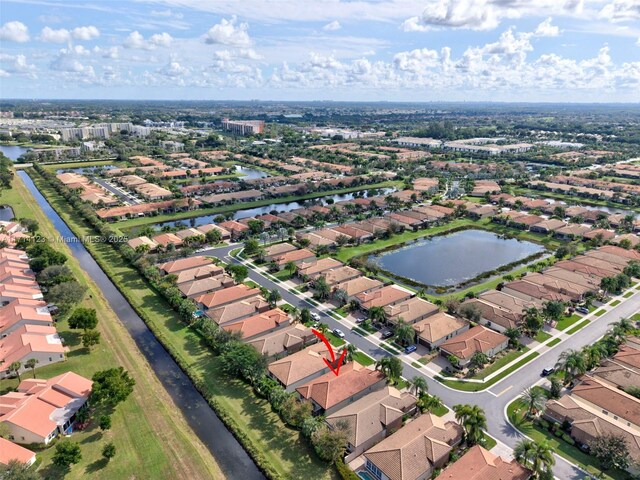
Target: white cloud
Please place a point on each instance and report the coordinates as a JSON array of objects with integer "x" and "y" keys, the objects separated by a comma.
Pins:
[
  {"x": 485, "y": 14},
  {"x": 166, "y": 14},
  {"x": 136, "y": 40},
  {"x": 111, "y": 52},
  {"x": 545, "y": 29},
  {"x": 50, "y": 35},
  {"x": 4, "y": 73},
  {"x": 638, "y": 42},
  {"x": 332, "y": 26},
  {"x": 85, "y": 33},
  {"x": 173, "y": 69},
  {"x": 17, "y": 65},
  {"x": 14, "y": 32},
  {"x": 68, "y": 61},
  {"x": 229, "y": 32},
  {"x": 621, "y": 11}
]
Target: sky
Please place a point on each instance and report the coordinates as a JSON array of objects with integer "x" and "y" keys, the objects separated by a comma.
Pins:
[{"x": 379, "y": 50}]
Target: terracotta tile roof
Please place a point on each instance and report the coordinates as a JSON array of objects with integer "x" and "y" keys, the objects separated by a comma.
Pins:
[
  {"x": 358, "y": 285},
  {"x": 300, "y": 365},
  {"x": 28, "y": 339},
  {"x": 204, "y": 285},
  {"x": 136, "y": 242},
  {"x": 373, "y": 413},
  {"x": 629, "y": 356},
  {"x": 293, "y": 256},
  {"x": 383, "y": 296},
  {"x": 188, "y": 263},
  {"x": 10, "y": 451},
  {"x": 410, "y": 310},
  {"x": 318, "y": 265},
  {"x": 258, "y": 324},
  {"x": 574, "y": 266},
  {"x": 330, "y": 389},
  {"x": 477, "y": 339},
  {"x": 337, "y": 275},
  {"x": 536, "y": 291},
  {"x": 165, "y": 239},
  {"x": 227, "y": 295},
  {"x": 481, "y": 464},
  {"x": 288, "y": 338},
  {"x": 438, "y": 326},
  {"x": 617, "y": 402},
  {"x": 279, "y": 249},
  {"x": 198, "y": 273},
  {"x": 412, "y": 451}
]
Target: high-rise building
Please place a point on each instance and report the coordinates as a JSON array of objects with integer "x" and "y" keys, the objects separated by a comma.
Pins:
[{"x": 243, "y": 127}]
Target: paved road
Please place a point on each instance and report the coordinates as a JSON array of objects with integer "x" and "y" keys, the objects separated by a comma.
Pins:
[
  {"x": 232, "y": 458},
  {"x": 494, "y": 400},
  {"x": 116, "y": 191}
]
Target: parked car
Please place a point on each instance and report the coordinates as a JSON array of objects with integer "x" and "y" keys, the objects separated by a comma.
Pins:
[
  {"x": 338, "y": 333},
  {"x": 547, "y": 371},
  {"x": 386, "y": 334},
  {"x": 315, "y": 316},
  {"x": 410, "y": 348},
  {"x": 582, "y": 310}
]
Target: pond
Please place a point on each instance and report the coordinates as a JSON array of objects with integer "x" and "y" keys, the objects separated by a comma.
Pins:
[
  {"x": 6, "y": 213},
  {"x": 449, "y": 260},
  {"x": 250, "y": 173},
  {"x": 13, "y": 152},
  {"x": 86, "y": 169},
  {"x": 281, "y": 207}
]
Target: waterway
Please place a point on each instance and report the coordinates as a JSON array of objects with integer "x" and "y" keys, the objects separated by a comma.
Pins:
[
  {"x": 250, "y": 173},
  {"x": 13, "y": 152},
  {"x": 6, "y": 213},
  {"x": 281, "y": 207},
  {"x": 449, "y": 260},
  {"x": 229, "y": 454}
]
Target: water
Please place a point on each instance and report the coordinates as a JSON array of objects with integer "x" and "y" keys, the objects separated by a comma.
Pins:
[
  {"x": 13, "y": 152},
  {"x": 250, "y": 173},
  {"x": 452, "y": 259},
  {"x": 86, "y": 169},
  {"x": 6, "y": 213},
  {"x": 280, "y": 207},
  {"x": 229, "y": 454}
]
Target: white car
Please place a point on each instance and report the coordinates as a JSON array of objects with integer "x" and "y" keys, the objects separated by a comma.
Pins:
[
  {"x": 315, "y": 316},
  {"x": 338, "y": 333}
]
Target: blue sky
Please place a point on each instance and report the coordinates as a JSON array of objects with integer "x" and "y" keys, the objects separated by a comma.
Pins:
[{"x": 406, "y": 50}]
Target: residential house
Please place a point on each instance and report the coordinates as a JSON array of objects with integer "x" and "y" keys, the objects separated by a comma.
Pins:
[
  {"x": 196, "y": 288},
  {"x": 166, "y": 239},
  {"x": 10, "y": 451},
  {"x": 436, "y": 329},
  {"x": 142, "y": 242},
  {"x": 314, "y": 266},
  {"x": 273, "y": 251},
  {"x": 573, "y": 291},
  {"x": 546, "y": 226},
  {"x": 301, "y": 367},
  {"x": 476, "y": 339},
  {"x": 260, "y": 324},
  {"x": 372, "y": 418},
  {"x": 358, "y": 285},
  {"x": 334, "y": 276},
  {"x": 198, "y": 273},
  {"x": 415, "y": 451},
  {"x": 238, "y": 310},
  {"x": 235, "y": 228},
  {"x": 533, "y": 292},
  {"x": 480, "y": 464},
  {"x": 410, "y": 311},
  {"x": 20, "y": 311},
  {"x": 295, "y": 256},
  {"x": 284, "y": 341},
  {"x": 30, "y": 341},
  {"x": 623, "y": 370},
  {"x": 330, "y": 392},
  {"x": 177, "y": 266},
  {"x": 382, "y": 297},
  {"x": 226, "y": 296},
  {"x": 224, "y": 233},
  {"x": 571, "y": 231}
]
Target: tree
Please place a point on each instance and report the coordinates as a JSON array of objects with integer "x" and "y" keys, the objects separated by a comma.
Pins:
[
  {"x": 55, "y": 274},
  {"x": 104, "y": 422},
  {"x": 405, "y": 334},
  {"x": 330, "y": 443},
  {"x": 84, "y": 318},
  {"x": 418, "y": 386},
  {"x": 572, "y": 364},
  {"x": 15, "y": 368},
  {"x": 351, "y": 350},
  {"x": 377, "y": 315},
  {"x": 341, "y": 296},
  {"x": 556, "y": 388},
  {"x": 552, "y": 311},
  {"x": 451, "y": 304},
  {"x": 391, "y": 367},
  {"x": 111, "y": 386},
  {"x": 109, "y": 451},
  {"x": 66, "y": 294},
  {"x": 213, "y": 236},
  {"x": 67, "y": 453},
  {"x": 90, "y": 339},
  {"x": 479, "y": 360},
  {"x": 31, "y": 363},
  {"x": 16, "y": 470},
  {"x": 535, "y": 400},
  {"x": 471, "y": 312},
  {"x": 593, "y": 354},
  {"x": 322, "y": 288},
  {"x": 473, "y": 421},
  {"x": 611, "y": 451},
  {"x": 238, "y": 272},
  {"x": 533, "y": 321},
  {"x": 273, "y": 297},
  {"x": 429, "y": 403},
  {"x": 537, "y": 456},
  {"x": 251, "y": 246},
  {"x": 514, "y": 335},
  {"x": 305, "y": 315},
  {"x": 291, "y": 266}
]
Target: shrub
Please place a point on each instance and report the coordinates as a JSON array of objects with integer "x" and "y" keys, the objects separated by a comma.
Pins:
[
  {"x": 543, "y": 423},
  {"x": 568, "y": 439},
  {"x": 345, "y": 472},
  {"x": 559, "y": 433}
]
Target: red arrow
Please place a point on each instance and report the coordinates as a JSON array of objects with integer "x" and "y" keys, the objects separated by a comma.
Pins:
[{"x": 335, "y": 367}]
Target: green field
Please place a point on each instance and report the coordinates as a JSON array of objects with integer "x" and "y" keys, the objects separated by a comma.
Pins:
[
  {"x": 363, "y": 359},
  {"x": 499, "y": 363},
  {"x": 566, "y": 322},
  {"x": 542, "y": 336},
  {"x": 151, "y": 436}
]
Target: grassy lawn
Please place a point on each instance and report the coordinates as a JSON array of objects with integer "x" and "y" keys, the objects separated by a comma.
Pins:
[
  {"x": 137, "y": 222},
  {"x": 342, "y": 311},
  {"x": 360, "y": 331},
  {"x": 542, "y": 336},
  {"x": 487, "y": 441},
  {"x": 573, "y": 330},
  {"x": 628, "y": 294},
  {"x": 89, "y": 163},
  {"x": 334, "y": 339},
  {"x": 499, "y": 363},
  {"x": 152, "y": 439},
  {"x": 600, "y": 312},
  {"x": 571, "y": 200},
  {"x": 554, "y": 342},
  {"x": 285, "y": 449},
  {"x": 441, "y": 411},
  {"x": 566, "y": 322},
  {"x": 476, "y": 387},
  {"x": 516, "y": 411},
  {"x": 616, "y": 302},
  {"x": 282, "y": 275},
  {"x": 636, "y": 317},
  {"x": 363, "y": 359}
]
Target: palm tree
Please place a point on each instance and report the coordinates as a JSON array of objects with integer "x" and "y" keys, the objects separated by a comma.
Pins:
[
  {"x": 535, "y": 400},
  {"x": 430, "y": 403},
  {"x": 418, "y": 386},
  {"x": 624, "y": 325},
  {"x": 31, "y": 363},
  {"x": 593, "y": 354},
  {"x": 377, "y": 315},
  {"x": 15, "y": 368},
  {"x": 572, "y": 363},
  {"x": 341, "y": 296},
  {"x": 351, "y": 350},
  {"x": 405, "y": 335},
  {"x": 473, "y": 421},
  {"x": 537, "y": 456},
  {"x": 323, "y": 328},
  {"x": 273, "y": 297},
  {"x": 322, "y": 288},
  {"x": 514, "y": 335},
  {"x": 291, "y": 266}
]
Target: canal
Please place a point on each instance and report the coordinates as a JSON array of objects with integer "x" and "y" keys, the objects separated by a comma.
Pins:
[
  {"x": 227, "y": 451},
  {"x": 13, "y": 152}
]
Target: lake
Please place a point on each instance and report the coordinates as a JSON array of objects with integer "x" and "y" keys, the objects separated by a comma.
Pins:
[
  {"x": 6, "y": 213},
  {"x": 250, "y": 173},
  {"x": 449, "y": 260},
  {"x": 12, "y": 152}
]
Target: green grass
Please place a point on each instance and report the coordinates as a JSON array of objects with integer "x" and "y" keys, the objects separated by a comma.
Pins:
[
  {"x": 441, "y": 411},
  {"x": 488, "y": 441},
  {"x": 542, "y": 336},
  {"x": 615, "y": 303},
  {"x": 388, "y": 348},
  {"x": 566, "y": 322},
  {"x": 260, "y": 428},
  {"x": 571, "y": 200},
  {"x": 499, "y": 363},
  {"x": 137, "y": 222},
  {"x": 554, "y": 342},
  {"x": 416, "y": 365},
  {"x": 424, "y": 360},
  {"x": 402, "y": 383},
  {"x": 335, "y": 340},
  {"x": 628, "y": 294},
  {"x": 600, "y": 312},
  {"x": 476, "y": 387},
  {"x": 363, "y": 359},
  {"x": 282, "y": 275},
  {"x": 516, "y": 414},
  {"x": 152, "y": 438},
  {"x": 89, "y": 163},
  {"x": 579, "y": 326},
  {"x": 360, "y": 331},
  {"x": 636, "y": 317}
]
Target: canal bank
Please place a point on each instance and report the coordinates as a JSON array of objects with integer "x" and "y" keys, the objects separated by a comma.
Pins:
[{"x": 225, "y": 448}]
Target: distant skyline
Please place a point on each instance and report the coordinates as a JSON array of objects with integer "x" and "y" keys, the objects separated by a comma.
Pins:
[{"x": 384, "y": 50}]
